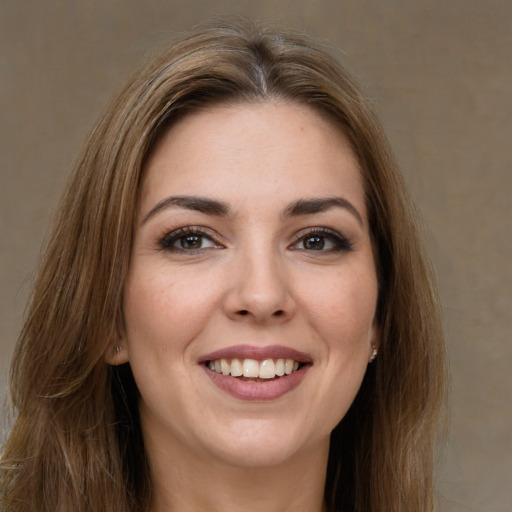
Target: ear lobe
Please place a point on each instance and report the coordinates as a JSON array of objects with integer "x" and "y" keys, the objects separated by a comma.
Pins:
[
  {"x": 116, "y": 353},
  {"x": 374, "y": 342},
  {"x": 373, "y": 354}
]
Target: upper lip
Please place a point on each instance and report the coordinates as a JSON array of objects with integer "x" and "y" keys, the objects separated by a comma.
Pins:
[{"x": 256, "y": 352}]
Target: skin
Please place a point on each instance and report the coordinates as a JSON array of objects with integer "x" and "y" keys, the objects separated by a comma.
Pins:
[{"x": 256, "y": 278}]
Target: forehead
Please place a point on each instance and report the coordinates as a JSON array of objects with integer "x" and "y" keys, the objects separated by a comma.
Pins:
[{"x": 253, "y": 151}]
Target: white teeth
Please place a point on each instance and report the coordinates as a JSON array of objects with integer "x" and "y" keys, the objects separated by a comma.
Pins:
[
  {"x": 267, "y": 369},
  {"x": 224, "y": 365},
  {"x": 251, "y": 368},
  {"x": 236, "y": 368},
  {"x": 280, "y": 367},
  {"x": 288, "y": 366}
]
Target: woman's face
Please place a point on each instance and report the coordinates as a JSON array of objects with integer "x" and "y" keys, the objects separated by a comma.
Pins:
[{"x": 252, "y": 259}]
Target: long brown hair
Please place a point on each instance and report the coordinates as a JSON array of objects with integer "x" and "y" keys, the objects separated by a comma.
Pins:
[{"x": 76, "y": 442}]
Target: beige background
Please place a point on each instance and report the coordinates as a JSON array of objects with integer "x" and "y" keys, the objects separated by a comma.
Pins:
[{"x": 441, "y": 74}]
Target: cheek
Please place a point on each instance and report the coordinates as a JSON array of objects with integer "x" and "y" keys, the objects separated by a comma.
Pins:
[
  {"x": 341, "y": 307},
  {"x": 156, "y": 304}
]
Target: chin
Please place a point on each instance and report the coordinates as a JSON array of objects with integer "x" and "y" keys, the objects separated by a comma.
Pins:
[{"x": 260, "y": 443}]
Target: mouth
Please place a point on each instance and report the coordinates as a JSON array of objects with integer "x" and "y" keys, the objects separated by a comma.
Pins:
[{"x": 256, "y": 373}]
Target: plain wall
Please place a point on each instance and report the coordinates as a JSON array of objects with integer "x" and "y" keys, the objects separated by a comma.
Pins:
[{"x": 441, "y": 75}]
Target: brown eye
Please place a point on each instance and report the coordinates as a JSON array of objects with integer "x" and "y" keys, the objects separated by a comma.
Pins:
[
  {"x": 188, "y": 239},
  {"x": 191, "y": 242},
  {"x": 314, "y": 243},
  {"x": 322, "y": 240}
]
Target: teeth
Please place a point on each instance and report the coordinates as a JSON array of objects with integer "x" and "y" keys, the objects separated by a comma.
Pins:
[
  {"x": 236, "y": 368},
  {"x": 224, "y": 366},
  {"x": 267, "y": 369},
  {"x": 251, "y": 368}
]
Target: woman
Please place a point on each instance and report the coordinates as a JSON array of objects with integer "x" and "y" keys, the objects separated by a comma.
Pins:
[{"x": 233, "y": 312}]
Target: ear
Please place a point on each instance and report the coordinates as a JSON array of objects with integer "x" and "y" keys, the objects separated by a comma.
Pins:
[{"x": 116, "y": 353}]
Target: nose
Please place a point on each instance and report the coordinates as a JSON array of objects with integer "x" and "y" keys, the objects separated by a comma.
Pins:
[{"x": 259, "y": 290}]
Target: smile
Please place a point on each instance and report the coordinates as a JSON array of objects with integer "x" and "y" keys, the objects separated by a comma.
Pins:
[
  {"x": 256, "y": 373},
  {"x": 254, "y": 369}
]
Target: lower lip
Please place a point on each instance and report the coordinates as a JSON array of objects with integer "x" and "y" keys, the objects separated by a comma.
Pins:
[{"x": 260, "y": 390}]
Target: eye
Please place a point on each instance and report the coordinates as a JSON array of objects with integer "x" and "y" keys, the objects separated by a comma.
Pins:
[
  {"x": 322, "y": 240},
  {"x": 188, "y": 239}
]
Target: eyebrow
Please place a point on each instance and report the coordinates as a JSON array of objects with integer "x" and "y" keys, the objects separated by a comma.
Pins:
[
  {"x": 199, "y": 204},
  {"x": 318, "y": 205},
  {"x": 221, "y": 209}
]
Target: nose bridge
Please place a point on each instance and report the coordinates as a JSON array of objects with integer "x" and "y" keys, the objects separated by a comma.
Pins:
[{"x": 260, "y": 288}]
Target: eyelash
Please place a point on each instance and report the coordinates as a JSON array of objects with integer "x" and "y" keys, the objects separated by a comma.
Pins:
[
  {"x": 170, "y": 238},
  {"x": 340, "y": 242}
]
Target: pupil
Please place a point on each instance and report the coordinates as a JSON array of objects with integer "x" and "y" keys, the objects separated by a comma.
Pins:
[
  {"x": 191, "y": 242},
  {"x": 314, "y": 242}
]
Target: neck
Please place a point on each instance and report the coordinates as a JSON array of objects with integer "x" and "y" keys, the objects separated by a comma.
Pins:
[{"x": 186, "y": 482}]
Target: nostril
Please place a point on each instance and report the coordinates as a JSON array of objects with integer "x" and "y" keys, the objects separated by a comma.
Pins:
[{"x": 245, "y": 312}]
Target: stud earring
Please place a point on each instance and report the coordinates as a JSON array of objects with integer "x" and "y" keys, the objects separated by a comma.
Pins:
[{"x": 374, "y": 354}]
